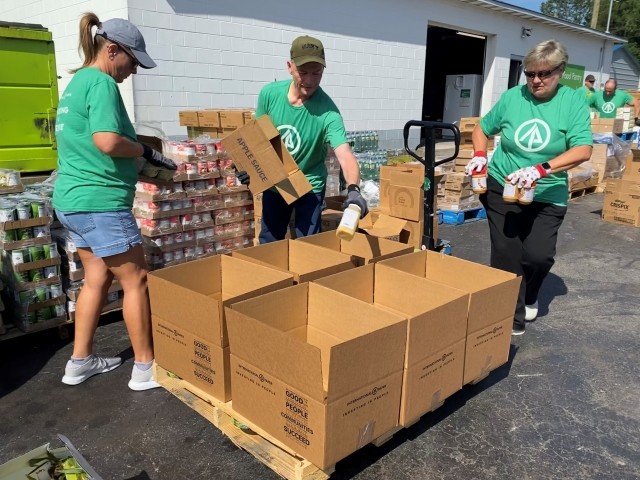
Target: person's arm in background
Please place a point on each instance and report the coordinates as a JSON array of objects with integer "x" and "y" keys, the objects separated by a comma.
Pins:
[
  {"x": 116, "y": 145},
  {"x": 348, "y": 164}
]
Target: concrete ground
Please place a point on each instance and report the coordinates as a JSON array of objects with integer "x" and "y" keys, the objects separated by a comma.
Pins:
[{"x": 565, "y": 406}]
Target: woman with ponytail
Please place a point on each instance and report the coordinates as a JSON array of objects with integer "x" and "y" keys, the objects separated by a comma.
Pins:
[{"x": 93, "y": 196}]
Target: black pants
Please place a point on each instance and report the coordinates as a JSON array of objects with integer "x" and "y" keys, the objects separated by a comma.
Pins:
[
  {"x": 523, "y": 241},
  {"x": 276, "y": 215}
]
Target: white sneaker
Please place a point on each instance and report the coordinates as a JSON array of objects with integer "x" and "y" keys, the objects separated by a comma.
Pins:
[
  {"x": 75, "y": 374},
  {"x": 531, "y": 312},
  {"x": 142, "y": 379}
]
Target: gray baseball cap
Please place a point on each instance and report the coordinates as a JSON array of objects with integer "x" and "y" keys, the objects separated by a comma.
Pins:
[{"x": 127, "y": 34}]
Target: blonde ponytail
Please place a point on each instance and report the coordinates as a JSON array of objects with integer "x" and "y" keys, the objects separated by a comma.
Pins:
[{"x": 89, "y": 44}]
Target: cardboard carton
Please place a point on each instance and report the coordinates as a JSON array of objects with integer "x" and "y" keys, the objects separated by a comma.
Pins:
[
  {"x": 468, "y": 124},
  {"x": 622, "y": 202},
  {"x": 187, "y": 308},
  {"x": 209, "y": 119},
  {"x": 304, "y": 261},
  {"x": 363, "y": 249},
  {"x": 492, "y": 302},
  {"x": 317, "y": 369},
  {"x": 436, "y": 330},
  {"x": 632, "y": 166},
  {"x": 258, "y": 149},
  {"x": 188, "y": 118},
  {"x": 402, "y": 191}
]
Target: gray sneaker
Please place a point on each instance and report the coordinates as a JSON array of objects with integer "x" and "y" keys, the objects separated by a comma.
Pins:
[
  {"x": 142, "y": 379},
  {"x": 76, "y": 374}
]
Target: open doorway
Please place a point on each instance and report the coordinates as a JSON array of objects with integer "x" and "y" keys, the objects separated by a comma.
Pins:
[{"x": 453, "y": 74}]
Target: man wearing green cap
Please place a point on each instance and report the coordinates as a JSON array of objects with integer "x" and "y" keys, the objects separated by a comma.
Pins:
[
  {"x": 587, "y": 89},
  {"x": 307, "y": 120}
]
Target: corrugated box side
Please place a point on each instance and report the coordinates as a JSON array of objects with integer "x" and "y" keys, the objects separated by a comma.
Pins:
[
  {"x": 622, "y": 202},
  {"x": 402, "y": 191},
  {"x": 297, "y": 372},
  {"x": 436, "y": 330},
  {"x": 304, "y": 261}
]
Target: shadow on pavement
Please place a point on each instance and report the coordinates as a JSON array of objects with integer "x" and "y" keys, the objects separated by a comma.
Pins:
[{"x": 552, "y": 287}]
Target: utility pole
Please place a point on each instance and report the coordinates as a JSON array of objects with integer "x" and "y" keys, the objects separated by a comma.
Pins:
[
  {"x": 594, "y": 14},
  {"x": 609, "y": 17}
]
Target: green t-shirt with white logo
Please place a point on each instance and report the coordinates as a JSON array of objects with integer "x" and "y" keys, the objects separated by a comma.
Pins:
[
  {"x": 305, "y": 130},
  {"x": 586, "y": 92},
  {"x": 533, "y": 131},
  {"x": 606, "y": 105},
  {"x": 89, "y": 180}
]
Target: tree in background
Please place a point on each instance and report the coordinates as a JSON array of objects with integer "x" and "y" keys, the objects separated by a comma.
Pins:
[
  {"x": 574, "y": 11},
  {"x": 625, "y": 17}
]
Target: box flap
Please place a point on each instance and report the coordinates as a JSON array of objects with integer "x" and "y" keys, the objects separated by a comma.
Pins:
[
  {"x": 306, "y": 258},
  {"x": 386, "y": 226},
  {"x": 293, "y": 187},
  {"x": 272, "y": 320},
  {"x": 241, "y": 278},
  {"x": 324, "y": 239},
  {"x": 357, "y": 282},
  {"x": 273, "y": 254}
]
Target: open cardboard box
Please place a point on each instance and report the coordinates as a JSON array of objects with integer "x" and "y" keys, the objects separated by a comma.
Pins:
[
  {"x": 304, "y": 261},
  {"x": 187, "y": 310},
  {"x": 362, "y": 248},
  {"x": 492, "y": 303},
  {"x": 257, "y": 149},
  {"x": 317, "y": 369},
  {"x": 402, "y": 191},
  {"x": 436, "y": 330}
]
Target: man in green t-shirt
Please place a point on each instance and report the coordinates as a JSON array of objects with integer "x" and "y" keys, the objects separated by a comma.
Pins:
[
  {"x": 587, "y": 89},
  {"x": 307, "y": 120},
  {"x": 607, "y": 101}
]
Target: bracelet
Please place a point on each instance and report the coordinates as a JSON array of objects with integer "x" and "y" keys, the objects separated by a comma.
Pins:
[{"x": 353, "y": 187}]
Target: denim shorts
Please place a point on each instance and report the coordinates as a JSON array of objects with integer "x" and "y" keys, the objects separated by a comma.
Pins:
[{"x": 105, "y": 233}]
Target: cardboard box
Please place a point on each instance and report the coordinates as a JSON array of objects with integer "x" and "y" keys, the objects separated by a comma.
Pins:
[
  {"x": 607, "y": 125},
  {"x": 235, "y": 118},
  {"x": 363, "y": 249},
  {"x": 468, "y": 124},
  {"x": 187, "y": 308},
  {"x": 492, "y": 303},
  {"x": 304, "y": 261},
  {"x": 258, "y": 149},
  {"x": 330, "y": 219},
  {"x": 209, "y": 119},
  {"x": 632, "y": 166},
  {"x": 622, "y": 202},
  {"x": 402, "y": 191},
  {"x": 436, "y": 330},
  {"x": 188, "y": 118},
  {"x": 323, "y": 375}
]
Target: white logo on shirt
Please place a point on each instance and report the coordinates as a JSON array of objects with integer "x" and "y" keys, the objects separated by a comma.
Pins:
[
  {"x": 608, "y": 107},
  {"x": 533, "y": 135},
  {"x": 290, "y": 138}
]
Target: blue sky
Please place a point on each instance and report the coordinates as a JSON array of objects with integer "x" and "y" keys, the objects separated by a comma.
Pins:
[{"x": 530, "y": 4}]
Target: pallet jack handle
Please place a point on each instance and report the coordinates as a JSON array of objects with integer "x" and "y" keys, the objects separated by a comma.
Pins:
[{"x": 430, "y": 164}]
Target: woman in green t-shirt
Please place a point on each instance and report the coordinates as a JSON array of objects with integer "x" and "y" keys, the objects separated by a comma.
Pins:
[
  {"x": 544, "y": 130},
  {"x": 93, "y": 195}
]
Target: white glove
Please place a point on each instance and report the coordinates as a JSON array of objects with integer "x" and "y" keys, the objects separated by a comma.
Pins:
[
  {"x": 477, "y": 163},
  {"x": 525, "y": 177}
]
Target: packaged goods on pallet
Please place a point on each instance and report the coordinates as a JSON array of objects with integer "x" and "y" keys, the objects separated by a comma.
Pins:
[
  {"x": 215, "y": 122},
  {"x": 10, "y": 181}
]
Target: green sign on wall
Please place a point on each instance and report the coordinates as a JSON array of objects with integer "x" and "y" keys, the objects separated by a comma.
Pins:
[{"x": 572, "y": 76}]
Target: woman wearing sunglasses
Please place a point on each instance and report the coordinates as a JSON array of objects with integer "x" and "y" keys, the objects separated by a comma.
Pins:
[
  {"x": 544, "y": 130},
  {"x": 93, "y": 195}
]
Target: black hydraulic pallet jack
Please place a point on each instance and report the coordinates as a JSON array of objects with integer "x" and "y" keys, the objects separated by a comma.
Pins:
[{"x": 430, "y": 164}]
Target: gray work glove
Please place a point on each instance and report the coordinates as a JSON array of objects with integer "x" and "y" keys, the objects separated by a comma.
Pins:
[
  {"x": 637, "y": 121},
  {"x": 243, "y": 177},
  {"x": 156, "y": 158},
  {"x": 354, "y": 197}
]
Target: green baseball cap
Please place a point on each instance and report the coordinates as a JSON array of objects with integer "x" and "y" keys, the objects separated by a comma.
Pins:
[{"x": 307, "y": 49}]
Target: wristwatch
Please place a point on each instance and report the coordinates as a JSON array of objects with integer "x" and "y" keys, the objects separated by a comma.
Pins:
[
  {"x": 546, "y": 167},
  {"x": 353, "y": 187}
]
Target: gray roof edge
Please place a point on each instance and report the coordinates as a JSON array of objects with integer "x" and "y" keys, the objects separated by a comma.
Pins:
[{"x": 508, "y": 8}]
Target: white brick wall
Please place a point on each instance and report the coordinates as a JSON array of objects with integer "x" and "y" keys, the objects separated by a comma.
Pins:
[{"x": 222, "y": 53}]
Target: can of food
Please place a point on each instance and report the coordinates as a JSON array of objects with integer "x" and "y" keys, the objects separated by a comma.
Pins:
[
  {"x": 189, "y": 252},
  {"x": 199, "y": 250},
  {"x": 176, "y": 204},
  {"x": 58, "y": 311},
  {"x": 166, "y": 206},
  {"x": 177, "y": 187},
  {"x": 196, "y": 218},
  {"x": 24, "y": 233},
  {"x": 51, "y": 271},
  {"x": 20, "y": 255},
  {"x": 206, "y": 217},
  {"x": 200, "y": 185},
  {"x": 43, "y": 314},
  {"x": 178, "y": 237},
  {"x": 211, "y": 183},
  {"x": 209, "y": 232},
  {"x": 42, "y": 293},
  {"x": 13, "y": 178},
  {"x": 191, "y": 168},
  {"x": 23, "y": 211},
  {"x": 36, "y": 253},
  {"x": 187, "y": 219},
  {"x": 38, "y": 209},
  {"x": 7, "y": 212},
  {"x": 157, "y": 241},
  {"x": 27, "y": 317},
  {"x": 188, "y": 236},
  {"x": 167, "y": 240},
  {"x": 200, "y": 234},
  {"x": 178, "y": 255},
  {"x": 167, "y": 257},
  {"x": 50, "y": 250},
  {"x": 189, "y": 150},
  {"x": 41, "y": 231},
  {"x": 26, "y": 297},
  {"x": 212, "y": 166},
  {"x": 187, "y": 203},
  {"x": 209, "y": 248},
  {"x": 21, "y": 277},
  {"x": 56, "y": 290},
  {"x": 164, "y": 224},
  {"x": 36, "y": 275},
  {"x": 211, "y": 148},
  {"x": 7, "y": 235},
  {"x": 202, "y": 167},
  {"x": 174, "y": 221}
]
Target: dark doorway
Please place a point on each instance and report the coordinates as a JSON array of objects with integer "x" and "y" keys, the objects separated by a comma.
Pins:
[{"x": 449, "y": 52}]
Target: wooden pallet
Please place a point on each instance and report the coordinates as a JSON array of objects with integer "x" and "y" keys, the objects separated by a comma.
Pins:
[
  {"x": 271, "y": 452},
  {"x": 451, "y": 217},
  {"x": 584, "y": 191}
]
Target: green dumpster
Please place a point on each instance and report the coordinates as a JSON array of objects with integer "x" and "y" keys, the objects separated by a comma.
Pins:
[{"x": 29, "y": 98}]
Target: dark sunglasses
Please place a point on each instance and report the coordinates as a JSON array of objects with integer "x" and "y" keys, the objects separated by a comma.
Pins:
[{"x": 542, "y": 74}]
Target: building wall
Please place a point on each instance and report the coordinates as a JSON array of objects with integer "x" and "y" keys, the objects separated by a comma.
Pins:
[
  {"x": 219, "y": 54},
  {"x": 624, "y": 70}
]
